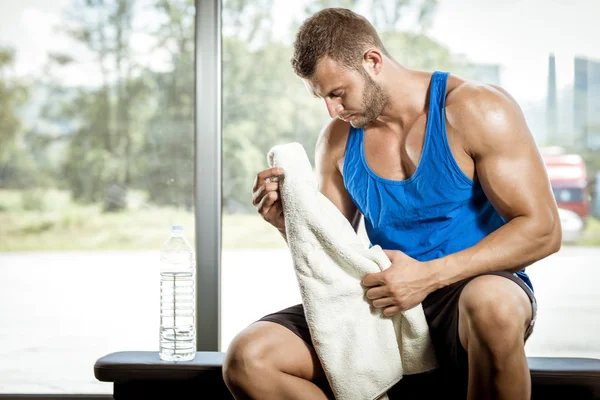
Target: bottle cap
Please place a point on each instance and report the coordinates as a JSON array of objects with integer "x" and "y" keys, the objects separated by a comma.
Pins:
[{"x": 177, "y": 228}]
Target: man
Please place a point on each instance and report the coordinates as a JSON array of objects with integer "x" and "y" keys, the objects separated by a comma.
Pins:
[{"x": 449, "y": 181}]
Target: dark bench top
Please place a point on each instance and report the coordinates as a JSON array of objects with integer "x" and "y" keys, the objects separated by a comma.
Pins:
[
  {"x": 146, "y": 365},
  {"x": 582, "y": 374}
]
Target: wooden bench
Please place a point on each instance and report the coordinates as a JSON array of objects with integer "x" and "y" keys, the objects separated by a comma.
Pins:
[{"x": 142, "y": 375}]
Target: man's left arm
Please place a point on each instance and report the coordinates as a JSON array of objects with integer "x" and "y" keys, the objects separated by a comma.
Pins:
[{"x": 512, "y": 174}]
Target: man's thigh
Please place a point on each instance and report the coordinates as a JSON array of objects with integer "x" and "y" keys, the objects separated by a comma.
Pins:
[{"x": 283, "y": 339}]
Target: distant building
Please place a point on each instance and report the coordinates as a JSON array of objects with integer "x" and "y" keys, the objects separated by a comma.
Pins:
[
  {"x": 586, "y": 103},
  {"x": 551, "y": 104}
]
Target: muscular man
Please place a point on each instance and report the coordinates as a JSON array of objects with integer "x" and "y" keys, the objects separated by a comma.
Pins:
[{"x": 449, "y": 181}]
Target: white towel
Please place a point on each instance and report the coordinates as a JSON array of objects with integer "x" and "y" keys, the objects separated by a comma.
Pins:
[{"x": 362, "y": 353}]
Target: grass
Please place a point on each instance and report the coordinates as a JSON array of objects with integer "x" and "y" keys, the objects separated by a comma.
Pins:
[
  {"x": 49, "y": 221},
  {"x": 591, "y": 235},
  {"x": 54, "y": 223}
]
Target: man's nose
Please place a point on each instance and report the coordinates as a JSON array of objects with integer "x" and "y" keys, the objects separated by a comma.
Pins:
[{"x": 334, "y": 107}]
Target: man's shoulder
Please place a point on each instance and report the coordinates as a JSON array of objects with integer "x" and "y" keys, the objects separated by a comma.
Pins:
[
  {"x": 480, "y": 114},
  {"x": 471, "y": 103},
  {"x": 333, "y": 137},
  {"x": 465, "y": 94}
]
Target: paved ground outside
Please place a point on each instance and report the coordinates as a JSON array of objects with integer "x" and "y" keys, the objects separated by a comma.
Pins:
[{"x": 61, "y": 311}]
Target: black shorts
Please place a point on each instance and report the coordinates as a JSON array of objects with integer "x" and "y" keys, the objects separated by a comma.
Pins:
[{"x": 441, "y": 312}]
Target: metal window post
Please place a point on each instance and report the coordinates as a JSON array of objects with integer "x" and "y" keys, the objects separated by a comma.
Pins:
[{"x": 207, "y": 172}]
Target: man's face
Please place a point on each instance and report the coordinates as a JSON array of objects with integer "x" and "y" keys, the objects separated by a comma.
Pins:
[{"x": 350, "y": 95}]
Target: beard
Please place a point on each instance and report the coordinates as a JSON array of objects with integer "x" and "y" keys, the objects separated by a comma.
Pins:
[{"x": 374, "y": 100}]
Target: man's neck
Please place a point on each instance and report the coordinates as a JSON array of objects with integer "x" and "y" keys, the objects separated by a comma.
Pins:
[{"x": 407, "y": 90}]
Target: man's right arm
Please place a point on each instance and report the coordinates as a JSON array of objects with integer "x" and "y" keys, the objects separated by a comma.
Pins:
[{"x": 329, "y": 153}]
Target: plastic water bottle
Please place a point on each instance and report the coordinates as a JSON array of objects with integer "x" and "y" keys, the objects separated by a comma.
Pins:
[{"x": 177, "y": 298}]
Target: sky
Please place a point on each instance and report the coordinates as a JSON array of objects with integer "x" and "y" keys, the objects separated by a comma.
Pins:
[{"x": 518, "y": 34}]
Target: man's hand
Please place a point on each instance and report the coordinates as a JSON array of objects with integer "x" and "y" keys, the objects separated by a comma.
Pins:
[
  {"x": 266, "y": 197},
  {"x": 402, "y": 286}
]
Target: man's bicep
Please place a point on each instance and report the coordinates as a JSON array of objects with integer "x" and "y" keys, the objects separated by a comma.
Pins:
[
  {"x": 509, "y": 166},
  {"x": 330, "y": 180},
  {"x": 333, "y": 188},
  {"x": 515, "y": 183}
]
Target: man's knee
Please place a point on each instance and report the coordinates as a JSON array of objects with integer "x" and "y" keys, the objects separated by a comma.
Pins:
[
  {"x": 246, "y": 357},
  {"x": 494, "y": 313}
]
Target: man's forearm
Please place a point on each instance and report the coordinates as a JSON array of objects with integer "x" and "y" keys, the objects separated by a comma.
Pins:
[{"x": 518, "y": 243}]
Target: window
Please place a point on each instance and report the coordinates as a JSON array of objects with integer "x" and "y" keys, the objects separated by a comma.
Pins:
[
  {"x": 566, "y": 195},
  {"x": 96, "y": 121},
  {"x": 519, "y": 45},
  {"x": 96, "y": 161}
]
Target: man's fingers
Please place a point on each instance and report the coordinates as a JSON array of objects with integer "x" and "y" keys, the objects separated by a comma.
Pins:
[
  {"x": 274, "y": 171},
  {"x": 262, "y": 176},
  {"x": 260, "y": 193},
  {"x": 267, "y": 202},
  {"x": 390, "y": 311},
  {"x": 373, "y": 279},
  {"x": 384, "y": 302},
  {"x": 377, "y": 292}
]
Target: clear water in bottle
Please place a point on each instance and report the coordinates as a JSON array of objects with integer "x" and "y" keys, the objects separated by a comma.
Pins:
[{"x": 177, "y": 298}]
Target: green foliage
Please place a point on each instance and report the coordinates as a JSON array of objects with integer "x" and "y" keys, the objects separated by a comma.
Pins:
[
  {"x": 109, "y": 120},
  {"x": 64, "y": 225},
  {"x": 134, "y": 129},
  {"x": 421, "y": 52},
  {"x": 13, "y": 94},
  {"x": 241, "y": 160},
  {"x": 33, "y": 200},
  {"x": 18, "y": 169},
  {"x": 166, "y": 159},
  {"x": 169, "y": 161}
]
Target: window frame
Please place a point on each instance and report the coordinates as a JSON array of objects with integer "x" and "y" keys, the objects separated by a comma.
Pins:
[{"x": 207, "y": 187}]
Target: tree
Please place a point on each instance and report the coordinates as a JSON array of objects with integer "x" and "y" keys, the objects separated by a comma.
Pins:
[
  {"x": 16, "y": 165},
  {"x": 100, "y": 165},
  {"x": 135, "y": 129},
  {"x": 168, "y": 150},
  {"x": 264, "y": 104},
  {"x": 248, "y": 20},
  {"x": 13, "y": 94}
]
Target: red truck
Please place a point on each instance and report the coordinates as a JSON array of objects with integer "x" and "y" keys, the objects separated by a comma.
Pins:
[{"x": 568, "y": 177}]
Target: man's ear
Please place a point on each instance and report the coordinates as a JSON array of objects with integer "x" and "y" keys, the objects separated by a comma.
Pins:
[{"x": 373, "y": 61}]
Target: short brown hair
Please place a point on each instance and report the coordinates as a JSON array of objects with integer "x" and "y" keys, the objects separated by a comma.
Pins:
[{"x": 338, "y": 33}]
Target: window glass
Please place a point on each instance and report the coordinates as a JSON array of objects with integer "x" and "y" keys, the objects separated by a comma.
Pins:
[
  {"x": 96, "y": 122},
  {"x": 545, "y": 54}
]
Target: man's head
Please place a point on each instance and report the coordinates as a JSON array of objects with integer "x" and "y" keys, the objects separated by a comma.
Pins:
[{"x": 333, "y": 51}]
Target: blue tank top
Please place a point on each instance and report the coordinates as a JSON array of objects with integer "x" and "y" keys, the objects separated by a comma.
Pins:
[{"x": 437, "y": 211}]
